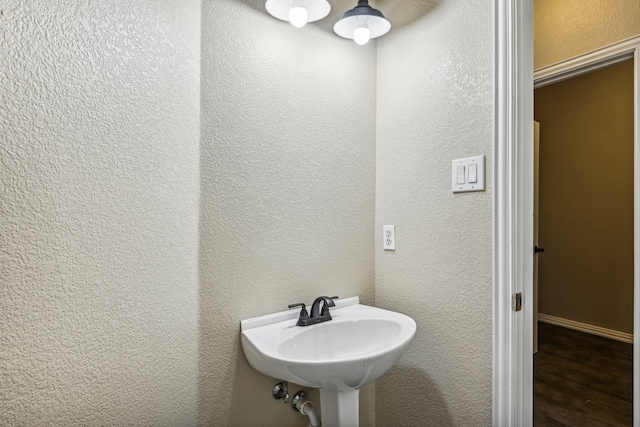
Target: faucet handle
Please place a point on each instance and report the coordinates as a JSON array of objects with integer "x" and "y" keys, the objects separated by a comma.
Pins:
[
  {"x": 304, "y": 315},
  {"x": 298, "y": 305}
]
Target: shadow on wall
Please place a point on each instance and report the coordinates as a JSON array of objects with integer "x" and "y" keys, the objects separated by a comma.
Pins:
[
  {"x": 400, "y": 13},
  {"x": 252, "y": 403},
  {"x": 238, "y": 395},
  {"x": 234, "y": 394},
  {"x": 405, "y": 396},
  {"x": 261, "y": 408}
]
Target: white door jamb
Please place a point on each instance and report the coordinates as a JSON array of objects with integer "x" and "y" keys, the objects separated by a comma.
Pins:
[
  {"x": 513, "y": 204},
  {"x": 513, "y": 214}
]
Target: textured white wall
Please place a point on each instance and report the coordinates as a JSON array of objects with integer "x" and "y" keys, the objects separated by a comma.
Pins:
[
  {"x": 99, "y": 210},
  {"x": 567, "y": 28},
  {"x": 435, "y": 104},
  {"x": 99, "y": 192},
  {"x": 288, "y": 187}
]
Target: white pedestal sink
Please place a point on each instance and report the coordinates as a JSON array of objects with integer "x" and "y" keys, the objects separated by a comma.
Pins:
[{"x": 339, "y": 356}]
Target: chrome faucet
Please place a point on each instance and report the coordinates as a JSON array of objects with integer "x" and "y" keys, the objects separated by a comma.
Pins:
[{"x": 317, "y": 315}]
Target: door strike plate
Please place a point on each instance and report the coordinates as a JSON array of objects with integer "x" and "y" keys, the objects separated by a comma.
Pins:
[{"x": 517, "y": 301}]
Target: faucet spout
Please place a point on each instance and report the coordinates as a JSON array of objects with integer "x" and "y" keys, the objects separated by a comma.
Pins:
[{"x": 315, "y": 308}]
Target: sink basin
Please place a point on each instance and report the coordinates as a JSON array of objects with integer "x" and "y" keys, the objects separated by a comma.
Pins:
[
  {"x": 356, "y": 347},
  {"x": 353, "y": 349},
  {"x": 341, "y": 340}
]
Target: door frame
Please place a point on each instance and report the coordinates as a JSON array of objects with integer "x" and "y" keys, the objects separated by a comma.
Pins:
[
  {"x": 513, "y": 214},
  {"x": 513, "y": 203}
]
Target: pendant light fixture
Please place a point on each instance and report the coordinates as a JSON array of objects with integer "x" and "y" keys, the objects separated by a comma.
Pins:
[
  {"x": 298, "y": 12},
  {"x": 362, "y": 23}
]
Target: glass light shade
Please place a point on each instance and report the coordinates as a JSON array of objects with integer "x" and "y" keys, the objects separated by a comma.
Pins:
[
  {"x": 361, "y": 35},
  {"x": 298, "y": 16},
  {"x": 282, "y": 9},
  {"x": 362, "y": 16}
]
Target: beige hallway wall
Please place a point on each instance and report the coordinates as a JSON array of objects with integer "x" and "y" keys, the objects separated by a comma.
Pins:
[
  {"x": 586, "y": 198},
  {"x": 567, "y": 28}
]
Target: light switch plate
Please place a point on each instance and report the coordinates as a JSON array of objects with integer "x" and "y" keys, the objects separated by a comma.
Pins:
[{"x": 464, "y": 185}]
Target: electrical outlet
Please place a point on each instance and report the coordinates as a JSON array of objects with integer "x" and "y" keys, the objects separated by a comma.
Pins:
[{"x": 389, "y": 237}]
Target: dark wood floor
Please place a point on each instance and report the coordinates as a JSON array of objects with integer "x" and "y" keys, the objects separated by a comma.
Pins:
[{"x": 581, "y": 380}]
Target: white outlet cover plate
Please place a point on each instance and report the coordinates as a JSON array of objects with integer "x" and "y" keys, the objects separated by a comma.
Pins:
[
  {"x": 389, "y": 237},
  {"x": 466, "y": 185}
]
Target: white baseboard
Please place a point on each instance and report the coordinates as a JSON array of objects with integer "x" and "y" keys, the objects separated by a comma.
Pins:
[{"x": 590, "y": 329}]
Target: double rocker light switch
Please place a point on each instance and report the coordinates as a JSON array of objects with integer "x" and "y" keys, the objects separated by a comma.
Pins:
[{"x": 467, "y": 174}]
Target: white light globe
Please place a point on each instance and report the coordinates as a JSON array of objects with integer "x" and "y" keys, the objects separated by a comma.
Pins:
[
  {"x": 361, "y": 35},
  {"x": 298, "y": 16}
]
